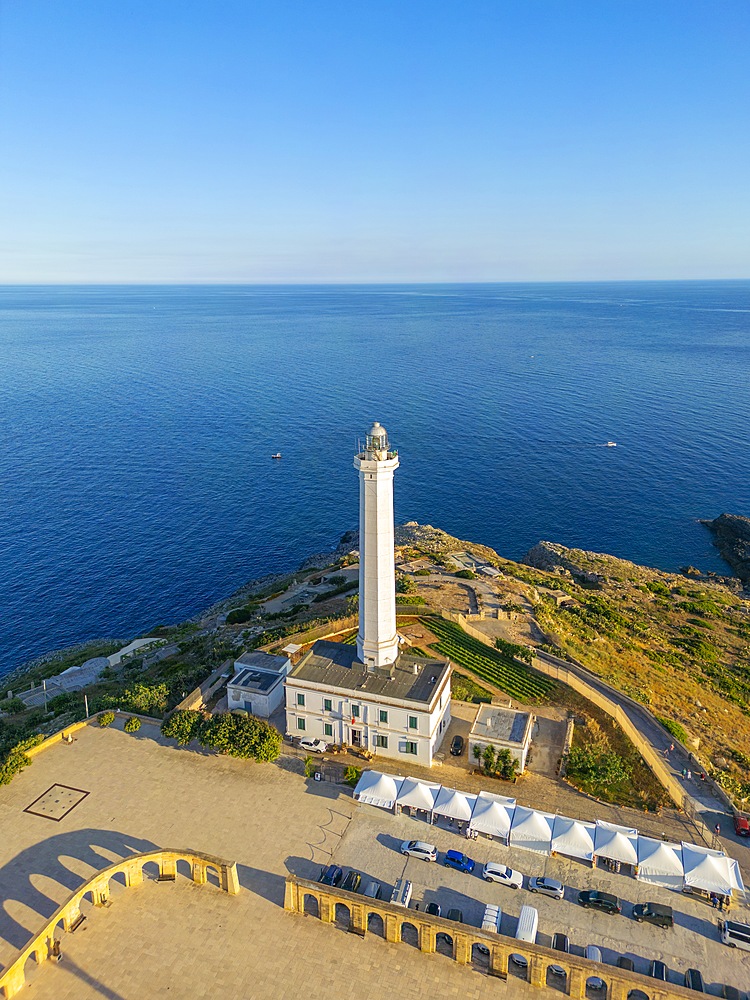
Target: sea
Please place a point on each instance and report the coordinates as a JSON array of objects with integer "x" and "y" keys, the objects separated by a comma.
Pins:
[{"x": 137, "y": 427}]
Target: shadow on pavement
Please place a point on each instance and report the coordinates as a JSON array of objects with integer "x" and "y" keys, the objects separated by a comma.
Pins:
[{"x": 266, "y": 884}]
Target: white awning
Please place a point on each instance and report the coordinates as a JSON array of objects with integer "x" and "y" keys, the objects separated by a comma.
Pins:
[
  {"x": 378, "y": 789},
  {"x": 492, "y": 814},
  {"x": 706, "y": 869},
  {"x": 573, "y": 838},
  {"x": 660, "y": 863},
  {"x": 418, "y": 794},
  {"x": 617, "y": 843},
  {"x": 736, "y": 876},
  {"x": 531, "y": 830},
  {"x": 454, "y": 804}
]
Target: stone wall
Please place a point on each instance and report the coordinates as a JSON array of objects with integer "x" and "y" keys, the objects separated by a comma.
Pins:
[{"x": 333, "y": 905}]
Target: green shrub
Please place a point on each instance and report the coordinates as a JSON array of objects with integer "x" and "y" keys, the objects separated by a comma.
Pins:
[
  {"x": 16, "y": 759},
  {"x": 463, "y": 688},
  {"x": 405, "y": 585},
  {"x": 309, "y": 767},
  {"x": 410, "y": 599},
  {"x": 145, "y": 698},
  {"x": 132, "y": 725},
  {"x": 515, "y": 650},
  {"x": 106, "y": 719},
  {"x": 182, "y": 726},
  {"x": 12, "y": 706},
  {"x": 466, "y": 574},
  {"x": 352, "y": 775},
  {"x": 238, "y": 736},
  {"x": 240, "y": 615},
  {"x": 423, "y": 572},
  {"x": 679, "y": 732}
]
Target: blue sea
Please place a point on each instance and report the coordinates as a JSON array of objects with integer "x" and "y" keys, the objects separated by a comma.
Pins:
[{"x": 138, "y": 423}]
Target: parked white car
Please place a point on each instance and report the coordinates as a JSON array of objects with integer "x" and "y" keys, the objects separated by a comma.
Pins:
[
  {"x": 418, "y": 849},
  {"x": 493, "y": 872},
  {"x": 313, "y": 746},
  {"x": 547, "y": 886}
]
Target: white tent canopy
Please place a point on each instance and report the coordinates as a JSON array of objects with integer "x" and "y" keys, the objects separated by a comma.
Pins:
[
  {"x": 418, "y": 794},
  {"x": 617, "y": 843},
  {"x": 706, "y": 869},
  {"x": 492, "y": 814},
  {"x": 454, "y": 804},
  {"x": 573, "y": 838},
  {"x": 378, "y": 789},
  {"x": 736, "y": 875},
  {"x": 660, "y": 863},
  {"x": 531, "y": 830}
]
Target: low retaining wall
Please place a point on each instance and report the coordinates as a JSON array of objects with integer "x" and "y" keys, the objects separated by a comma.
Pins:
[
  {"x": 59, "y": 736},
  {"x": 45, "y": 945},
  {"x": 334, "y": 904},
  {"x": 200, "y": 695}
]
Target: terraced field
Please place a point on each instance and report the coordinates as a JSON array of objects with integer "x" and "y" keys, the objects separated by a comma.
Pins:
[{"x": 491, "y": 665}]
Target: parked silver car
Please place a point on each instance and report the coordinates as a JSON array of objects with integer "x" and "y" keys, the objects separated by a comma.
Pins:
[
  {"x": 547, "y": 886},
  {"x": 418, "y": 849},
  {"x": 494, "y": 872}
]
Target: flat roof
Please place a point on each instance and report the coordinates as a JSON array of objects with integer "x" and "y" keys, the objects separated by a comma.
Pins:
[
  {"x": 258, "y": 660},
  {"x": 504, "y": 724},
  {"x": 335, "y": 664},
  {"x": 255, "y": 680}
]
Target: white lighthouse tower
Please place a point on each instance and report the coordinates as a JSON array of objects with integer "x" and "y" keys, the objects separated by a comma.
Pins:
[{"x": 377, "y": 641}]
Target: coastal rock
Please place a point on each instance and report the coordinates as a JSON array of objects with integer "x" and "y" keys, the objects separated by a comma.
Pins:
[
  {"x": 732, "y": 538},
  {"x": 555, "y": 558}
]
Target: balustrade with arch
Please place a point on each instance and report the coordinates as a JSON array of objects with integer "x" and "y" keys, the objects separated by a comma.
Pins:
[
  {"x": 619, "y": 983},
  {"x": 45, "y": 945}
]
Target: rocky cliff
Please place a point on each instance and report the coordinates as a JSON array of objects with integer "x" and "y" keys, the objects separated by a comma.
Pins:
[{"x": 732, "y": 538}]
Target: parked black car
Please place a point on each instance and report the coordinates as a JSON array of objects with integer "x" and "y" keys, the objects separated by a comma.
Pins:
[
  {"x": 560, "y": 942},
  {"x": 730, "y": 993},
  {"x": 623, "y": 962},
  {"x": 433, "y": 908},
  {"x": 600, "y": 901},
  {"x": 657, "y": 970},
  {"x": 352, "y": 881},
  {"x": 452, "y": 914},
  {"x": 331, "y": 875},
  {"x": 654, "y": 913},
  {"x": 694, "y": 980},
  {"x": 457, "y": 746}
]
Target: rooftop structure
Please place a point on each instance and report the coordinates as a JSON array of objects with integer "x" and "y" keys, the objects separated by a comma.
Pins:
[{"x": 502, "y": 728}]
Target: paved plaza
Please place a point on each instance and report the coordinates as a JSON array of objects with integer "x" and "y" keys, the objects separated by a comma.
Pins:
[{"x": 192, "y": 941}]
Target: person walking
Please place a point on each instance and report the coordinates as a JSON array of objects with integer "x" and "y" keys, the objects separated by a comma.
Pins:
[
  {"x": 714, "y": 900},
  {"x": 689, "y": 774},
  {"x": 717, "y": 829}
]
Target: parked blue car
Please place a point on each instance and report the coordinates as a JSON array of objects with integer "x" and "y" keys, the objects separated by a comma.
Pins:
[
  {"x": 331, "y": 875},
  {"x": 459, "y": 861}
]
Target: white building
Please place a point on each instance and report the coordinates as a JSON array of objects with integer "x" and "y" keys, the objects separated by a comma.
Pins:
[
  {"x": 400, "y": 711},
  {"x": 371, "y": 695},
  {"x": 504, "y": 729},
  {"x": 257, "y": 686}
]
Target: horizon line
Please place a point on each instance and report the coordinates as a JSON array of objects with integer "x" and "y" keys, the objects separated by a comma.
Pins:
[{"x": 352, "y": 283}]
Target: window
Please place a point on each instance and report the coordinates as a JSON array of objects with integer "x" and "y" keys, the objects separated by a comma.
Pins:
[
  {"x": 327, "y": 705},
  {"x": 355, "y": 711},
  {"x": 301, "y": 699},
  {"x": 327, "y": 729},
  {"x": 410, "y": 747},
  {"x": 381, "y": 741},
  {"x": 413, "y": 722},
  {"x": 300, "y": 723},
  {"x": 383, "y": 716}
]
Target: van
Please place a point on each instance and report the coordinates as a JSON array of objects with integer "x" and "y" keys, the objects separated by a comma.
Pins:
[
  {"x": 401, "y": 894},
  {"x": 735, "y": 934},
  {"x": 528, "y": 924},
  {"x": 491, "y": 921},
  {"x": 593, "y": 954}
]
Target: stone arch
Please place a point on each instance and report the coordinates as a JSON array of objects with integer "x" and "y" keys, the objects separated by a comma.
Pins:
[
  {"x": 480, "y": 955},
  {"x": 516, "y": 968},
  {"x": 597, "y": 992},
  {"x": 409, "y": 933},
  {"x": 150, "y": 869},
  {"x": 638, "y": 995},
  {"x": 311, "y": 905},
  {"x": 117, "y": 880},
  {"x": 342, "y": 915},
  {"x": 184, "y": 867},
  {"x": 375, "y": 924},
  {"x": 213, "y": 876},
  {"x": 555, "y": 981},
  {"x": 444, "y": 944}
]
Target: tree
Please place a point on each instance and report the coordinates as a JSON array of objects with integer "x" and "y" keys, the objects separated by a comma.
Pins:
[
  {"x": 181, "y": 726},
  {"x": 12, "y": 706},
  {"x": 16, "y": 759},
  {"x": 146, "y": 698},
  {"x": 309, "y": 767},
  {"x": 505, "y": 764},
  {"x": 488, "y": 756},
  {"x": 477, "y": 751},
  {"x": 352, "y": 775},
  {"x": 405, "y": 585}
]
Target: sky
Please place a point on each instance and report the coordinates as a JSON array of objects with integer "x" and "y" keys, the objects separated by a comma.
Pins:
[{"x": 272, "y": 141}]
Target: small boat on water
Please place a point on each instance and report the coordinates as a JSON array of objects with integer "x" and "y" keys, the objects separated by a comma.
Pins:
[
  {"x": 609, "y": 444},
  {"x": 277, "y": 455}
]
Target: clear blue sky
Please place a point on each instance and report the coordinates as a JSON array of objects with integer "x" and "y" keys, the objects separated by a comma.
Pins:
[{"x": 369, "y": 140}]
